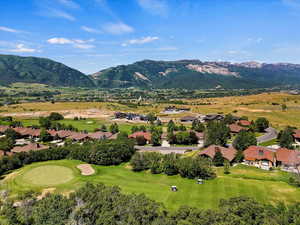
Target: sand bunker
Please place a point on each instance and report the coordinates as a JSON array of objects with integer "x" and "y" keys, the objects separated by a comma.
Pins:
[{"x": 86, "y": 169}]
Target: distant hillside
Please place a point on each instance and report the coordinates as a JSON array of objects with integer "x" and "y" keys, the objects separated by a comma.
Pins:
[
  {"x": 40, "y": 70},
  {"x": 194, "y": 74}
]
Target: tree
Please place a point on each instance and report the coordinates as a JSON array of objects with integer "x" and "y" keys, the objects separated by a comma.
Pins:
[
  {"x": 182, "y": 127},
  {"x": 103, "y": 128},
  {"x": 226, "y": 167},
  {"x": 239, "y": 156},
  {"x": 261, "y": 124},
  {"x": 55, "y": 116},
  {"x": 198, "y": 126},
  {"x": 141, "y": 140},
  {"x": 134, "y": 129},
  {"x": 114, "y": 128},
  {"x": 156, "y": 138},
  {"x": 171, "y": 138},
  {"x": 45, "y": 122},
  {"x": 283, "y": 107},
  {"x": 12, "y": 134},
  {"x": 6, "y": 143},
  {"x": 228, "y": 119},
  {"x": 151, "y": 117},
  {"x": 286, "y": 138},
  {"x": 244, "y": 139},
  {"x": 217, "y": 133},
  {"x": 218, "y": 159},
  {"x": 45, "y": 136},
  {"x": 171, "y": 126}
]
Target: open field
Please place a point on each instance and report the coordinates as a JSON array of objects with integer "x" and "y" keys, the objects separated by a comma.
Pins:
[
  {"x": 253, "y": 106},
  {"x": 262, "y": 185}
]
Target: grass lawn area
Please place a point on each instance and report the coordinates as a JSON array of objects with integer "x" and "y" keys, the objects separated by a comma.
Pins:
[
  {"x": 264, "y": 186},
  {"x": 268, "y": 143}
]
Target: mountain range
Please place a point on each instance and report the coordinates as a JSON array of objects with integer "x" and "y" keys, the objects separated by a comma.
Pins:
[{"x": 189, "y": 74}]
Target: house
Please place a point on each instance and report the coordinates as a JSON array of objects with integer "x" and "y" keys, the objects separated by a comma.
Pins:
[
  {"x": 228, "y": 153},
  {"x": 188, "y": 119},
  {"x": 212, "y": 117},
  {"x": 64, "y": 133},
  {"x": 100, "y": 135},
  {"x": 29, "y": 147},
  {"x": 288, "y": 160},
  {"x": 235, "y": 129},
  {"x": 28, "y": 132},
  {"x": 261, "y": 157},
  {"x": 244, "y": 123},
  {"x": 296, "y": 135},
  {"x": 77, "y": 136},
  {"x": 146, "y": 135}
]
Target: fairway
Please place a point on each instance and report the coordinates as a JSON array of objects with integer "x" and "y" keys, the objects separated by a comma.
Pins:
[
  {"x": 264, "y": 186},
  {"x": 48, "y": 175}
]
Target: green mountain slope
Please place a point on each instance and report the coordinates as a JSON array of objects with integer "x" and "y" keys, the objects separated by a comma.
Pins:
[
  {"x": 40, "y": 70},
  {"x": 194, "y": 74}
]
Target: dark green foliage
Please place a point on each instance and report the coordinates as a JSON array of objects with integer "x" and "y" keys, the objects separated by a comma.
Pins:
[
  {"x": 12, "y": 134},
  {"x": 40, "y": 70},
  {"x": 114, "y": 128},
  {"x": 156, "y": 137},
  {"x": 6, "y": 143},
  {"x": 286, "y": 138},
  {"x": 239, "y": 156},
  {"x": 218, "y": 159},
  {"x": 229, "y": 119},
  {"x": 172, "y": 164},
  {"x": 103, "y": 128},
  {"x": 141, "y": 140},
  {"x": 45, "y": 122},
  {"x": 45, "y": 136},
  {"x": 171, "y": 126},
  {"x": 55, "y": 116},
  {"x": 261, "y": 124},
  {"x": 198, "y": 126},
  {"x": 226, "y": 167},
  {"x": 217, "y": 133},
  {"x": 244, "y": 139}
]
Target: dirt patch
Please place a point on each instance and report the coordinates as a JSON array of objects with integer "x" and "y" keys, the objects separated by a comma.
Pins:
[
  {"x": 45, "y": 192},
  {"x": 86, "y": 169},
  {"x": 253, "y": 110}
]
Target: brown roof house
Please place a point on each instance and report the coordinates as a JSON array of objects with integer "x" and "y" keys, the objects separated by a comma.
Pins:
[
  {"x": 288, "y": 160},
  {"x": 29, "y": 147},
  {"x": 146, "y": 135},
  {"x": 235, "y": 129},
  {"x": 228, "y": 153},
  {"x": 100, "y": 135},
  {"x": 260, "y": 157}
]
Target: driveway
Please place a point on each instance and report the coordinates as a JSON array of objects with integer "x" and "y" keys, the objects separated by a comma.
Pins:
[{"x": 270, "y": 134}]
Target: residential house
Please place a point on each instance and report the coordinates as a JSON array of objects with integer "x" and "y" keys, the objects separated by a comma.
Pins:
[
  {"x": 29, "y": 147},
  {"x": 244, "y": 123},
  {"x": 79, "y": 136},
  {"x": 99, "y": 135},
  {"x": 146, "y": 135},
  {"x": 228, "y": 153},
  {"x": 212, "y": 117},
  {"x": 235, "y": 129},
  {"x": 288, "y": 160},
  {"x": 261, "y": 157},
  {"x": 188, "y": 119}
]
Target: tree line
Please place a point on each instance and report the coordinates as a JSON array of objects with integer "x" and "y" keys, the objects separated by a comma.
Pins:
[
  {"x": 172, "y": 164},
  {"x": 103, "y": 205}
]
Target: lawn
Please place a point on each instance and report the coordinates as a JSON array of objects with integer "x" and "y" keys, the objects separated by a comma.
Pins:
[{"x": 262, "y": 185}]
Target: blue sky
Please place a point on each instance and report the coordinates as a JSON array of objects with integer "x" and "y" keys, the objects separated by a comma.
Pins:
[{"x": 90, "y": 35}]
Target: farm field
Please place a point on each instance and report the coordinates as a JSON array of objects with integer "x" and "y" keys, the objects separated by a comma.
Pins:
[
  {"x": 264, "y": 186},
  {"x": 267, "y": 105}
]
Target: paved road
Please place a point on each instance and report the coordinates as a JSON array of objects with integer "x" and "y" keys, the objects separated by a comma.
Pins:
[
  {"x": 166, "y": 150},
  {"x": 271, "y": 133}
]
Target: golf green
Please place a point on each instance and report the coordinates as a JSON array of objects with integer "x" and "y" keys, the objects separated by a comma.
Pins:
[{"x": 48, "y": 175}]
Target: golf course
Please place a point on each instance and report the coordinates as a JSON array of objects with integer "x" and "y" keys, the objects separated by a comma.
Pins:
[{"x": 63, "y": 176}]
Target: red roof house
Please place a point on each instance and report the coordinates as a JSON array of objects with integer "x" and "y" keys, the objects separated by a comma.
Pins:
[
  {"x": 146, "y": 135},
  {"x": 244, "y": 123},
  {"x": 228, "y": 153},
  {"x": 29, "y": 147},
  {"x": 234, "y": 128}
]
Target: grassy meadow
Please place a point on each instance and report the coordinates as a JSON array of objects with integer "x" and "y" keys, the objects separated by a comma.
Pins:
[
  {"x": 264, "y": 186},
  {"x": 253, "y": 106}
]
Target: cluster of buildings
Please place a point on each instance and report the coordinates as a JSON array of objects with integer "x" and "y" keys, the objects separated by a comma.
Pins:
[
  {"x": 30, "y": 137},
  {"x": 260, "y": 157},
  {"x": 130, "y": 116},
  {"x": 174, "y": 110}
]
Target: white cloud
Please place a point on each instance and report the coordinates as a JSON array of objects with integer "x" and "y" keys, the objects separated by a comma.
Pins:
[
  {"x": 255, "y": 40},
  {"x": 117, "y": 28},
  {"x": 90, "y": 30},
  {"x": 156, "y": 7},
  {"x": 60, "y": 41},
  {"x": 7, "y": 29},
  {"x": 140, "y": 41},
  {"x": 21, "y": 48},
  {"x": 76, "y": 43},
  {"x": 69, "y": 3},
  {"x": 51, "y": 12}
]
